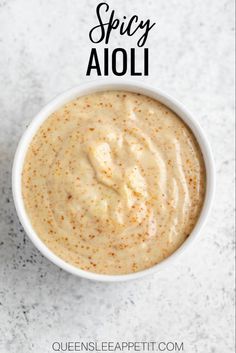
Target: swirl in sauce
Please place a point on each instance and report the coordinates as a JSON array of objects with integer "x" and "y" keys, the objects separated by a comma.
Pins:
[{"x": 113, "y": 182}]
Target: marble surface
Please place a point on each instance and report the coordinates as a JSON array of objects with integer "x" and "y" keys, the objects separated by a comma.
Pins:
[{"x": 44, "y": 50}]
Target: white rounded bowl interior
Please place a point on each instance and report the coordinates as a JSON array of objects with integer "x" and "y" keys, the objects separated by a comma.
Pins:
[{"x": 85, "y": 89}]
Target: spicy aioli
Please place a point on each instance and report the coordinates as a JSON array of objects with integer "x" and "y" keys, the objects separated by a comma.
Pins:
[{"x": 113, "y": 182}]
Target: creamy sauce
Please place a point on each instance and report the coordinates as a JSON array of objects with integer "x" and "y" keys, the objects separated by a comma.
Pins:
[{"x": 113, "y": 182}]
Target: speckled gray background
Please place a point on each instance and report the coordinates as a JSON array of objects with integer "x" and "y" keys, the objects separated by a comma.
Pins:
[{"x": 44, "y": 50}]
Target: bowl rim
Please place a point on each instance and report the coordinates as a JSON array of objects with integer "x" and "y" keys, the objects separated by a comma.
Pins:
[{"x": 88, "y": 88}]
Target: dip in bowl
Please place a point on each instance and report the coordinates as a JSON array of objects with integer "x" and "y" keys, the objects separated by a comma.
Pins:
[{"x": 112, "y": 180}]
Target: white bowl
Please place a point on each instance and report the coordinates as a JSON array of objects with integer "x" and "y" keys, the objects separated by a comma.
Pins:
[{"x": 88, "y": 88}]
